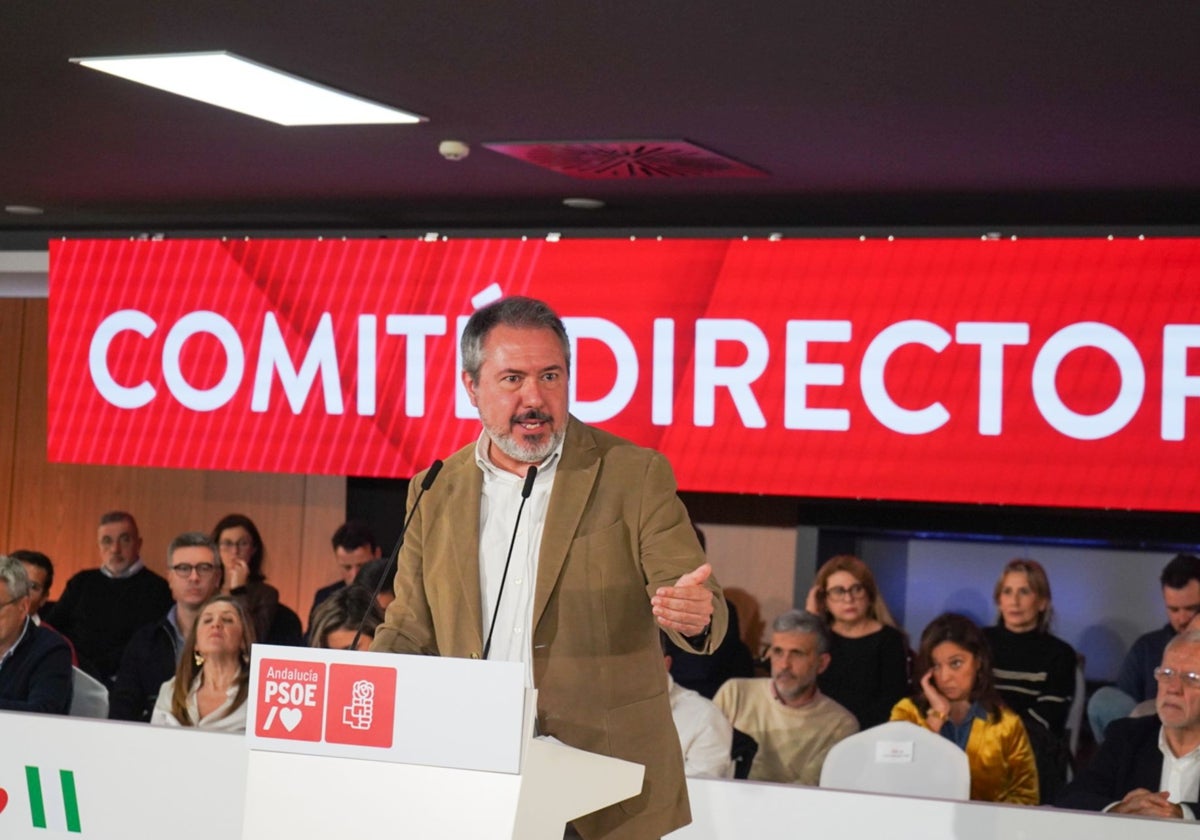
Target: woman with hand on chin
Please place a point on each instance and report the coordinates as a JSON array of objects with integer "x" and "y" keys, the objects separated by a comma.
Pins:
[
  {"x": 211, "y": 684},
  {"x": 242, "y": 554},
  {"x": 868, "y": 656},
  {"x": 958, "y": 699},
  {"x": 1035, "y": 670}
]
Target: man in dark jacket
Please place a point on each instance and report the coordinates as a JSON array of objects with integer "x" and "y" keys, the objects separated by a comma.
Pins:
[
  {"x": 150, "y": 658},
  {"x": 1150, "y": 766},
  {"x": 35, "y": 663}
]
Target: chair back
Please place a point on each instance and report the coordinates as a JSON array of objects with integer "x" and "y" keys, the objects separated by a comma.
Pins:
[
  {"x": 90, "y": 696},
  {"x": 898, "y": 757}
]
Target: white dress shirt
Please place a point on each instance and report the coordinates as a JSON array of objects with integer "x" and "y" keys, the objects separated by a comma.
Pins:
[{"x": 498, "y": 507}]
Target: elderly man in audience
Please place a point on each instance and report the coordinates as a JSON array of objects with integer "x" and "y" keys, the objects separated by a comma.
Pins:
[
  {"x": 1150, "y": 766},
  {"x": 794, "y": 723},
  {"x": 35, "y": 663},
  {"x": 101, "y": 608},
  {"x": 705, "y": 736},
  {"x": 152, "y": 655},
  {"x": 1180, "y": 581}
]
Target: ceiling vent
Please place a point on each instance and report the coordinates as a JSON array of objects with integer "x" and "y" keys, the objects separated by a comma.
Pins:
[{"x": 628, "y": 159}]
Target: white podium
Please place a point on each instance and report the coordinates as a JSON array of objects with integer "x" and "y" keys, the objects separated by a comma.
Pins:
[{"x": 343, "y": 742}]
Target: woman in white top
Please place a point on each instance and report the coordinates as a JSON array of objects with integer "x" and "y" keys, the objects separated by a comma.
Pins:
[{"x": 210, "y": 685}]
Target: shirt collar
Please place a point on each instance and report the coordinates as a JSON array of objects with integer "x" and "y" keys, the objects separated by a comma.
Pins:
[
  {"x": 1168, "y": 755},
  {"x": 133, "y": 569},
  {"x": 483, "y": 458},
  {"x": 8, "y": 653}
]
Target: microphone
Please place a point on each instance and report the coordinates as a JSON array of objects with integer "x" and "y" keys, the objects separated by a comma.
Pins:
[
  {"x": 526, "y": 489},
  {"x": 430, "y": 476}
]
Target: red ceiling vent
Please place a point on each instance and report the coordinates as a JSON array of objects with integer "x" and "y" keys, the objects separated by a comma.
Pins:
[{"x": 606, "y": 159}]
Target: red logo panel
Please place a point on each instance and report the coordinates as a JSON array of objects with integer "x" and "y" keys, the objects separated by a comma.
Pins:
[
  {"x": 291, "y": 700},
  {"x": 362, "y": 704}
]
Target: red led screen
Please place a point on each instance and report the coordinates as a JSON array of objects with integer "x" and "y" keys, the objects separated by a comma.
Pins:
[{"x": 1041, "y": 371}]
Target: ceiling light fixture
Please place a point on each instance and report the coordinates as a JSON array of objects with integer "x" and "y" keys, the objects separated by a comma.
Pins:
[{"x": 230, "y": 81}]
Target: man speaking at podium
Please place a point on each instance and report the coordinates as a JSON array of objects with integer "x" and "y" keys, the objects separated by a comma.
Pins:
[{"x": 571, "y": 573}]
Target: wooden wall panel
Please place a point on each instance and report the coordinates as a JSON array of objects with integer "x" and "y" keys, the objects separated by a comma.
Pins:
[
  {"x": 755, "y": 565},
  {"x": 12, "y": 315},
  {"x": 54, "y": 507}
]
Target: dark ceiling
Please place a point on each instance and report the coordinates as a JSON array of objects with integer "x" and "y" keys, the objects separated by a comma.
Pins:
[{"x": 861, "y": 113}]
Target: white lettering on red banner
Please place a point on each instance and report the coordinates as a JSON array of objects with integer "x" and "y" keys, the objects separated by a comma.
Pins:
[{"x": 1053, "y": 371}]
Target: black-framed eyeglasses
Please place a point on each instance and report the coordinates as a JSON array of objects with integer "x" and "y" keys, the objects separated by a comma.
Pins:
[
  {"x": 1189, "y": 678},
  {"x": 841, "y": 593},
  {"x": 185, "y": 569}
]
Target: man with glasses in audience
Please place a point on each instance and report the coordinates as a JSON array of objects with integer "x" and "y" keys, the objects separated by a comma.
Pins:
[
  {"x": 101, "y": 608},
  {"x": 152, "y": 655},
  {"x": 1180, "y": 580},
  {"x": 1150, "y": 766},
  {"x": 35, "y": 663}
]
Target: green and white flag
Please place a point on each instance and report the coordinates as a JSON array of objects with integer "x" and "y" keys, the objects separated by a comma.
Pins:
[{"x": 53, "y": 806}]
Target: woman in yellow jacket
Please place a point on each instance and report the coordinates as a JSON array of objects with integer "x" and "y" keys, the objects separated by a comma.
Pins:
[{"x": 958, "y": 699}]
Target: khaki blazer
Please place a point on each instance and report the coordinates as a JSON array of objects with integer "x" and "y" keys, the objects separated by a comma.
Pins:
[{"x": 615, "y": 531}]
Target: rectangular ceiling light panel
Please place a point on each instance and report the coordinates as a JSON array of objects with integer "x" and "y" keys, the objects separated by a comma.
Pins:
[{"x": 229, "y": 81}]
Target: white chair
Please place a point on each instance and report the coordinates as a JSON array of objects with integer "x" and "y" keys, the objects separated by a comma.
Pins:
[
  {"x": 89, "y": 696},
  {"x": 898, "y": 757}
]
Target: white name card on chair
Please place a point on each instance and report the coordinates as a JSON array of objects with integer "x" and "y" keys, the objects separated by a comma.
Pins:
[{"x": 424, "y": 710}]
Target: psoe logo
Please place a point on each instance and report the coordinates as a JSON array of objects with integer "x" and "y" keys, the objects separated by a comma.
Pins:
[
  {"x": 51, "y": 807},
  {"x": 291, "y": 700},
  {"x": 362, "y": 705}
]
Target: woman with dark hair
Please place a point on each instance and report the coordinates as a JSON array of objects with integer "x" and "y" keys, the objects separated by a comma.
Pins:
[
  {"x": 1035, "y": 671},
  {"x": 868, "y": 655},
  {"x": 242, "y": 554},
  {"x": 212, "y": 680},
  {"x": 958, "y": 699}
]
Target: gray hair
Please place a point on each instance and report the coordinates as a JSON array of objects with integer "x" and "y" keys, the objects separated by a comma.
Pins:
[
  {"x": 1187, "y": 637},
  {"x": 520, "y": 312},
  {"x": 193, "y": 539},
  {"x": 801, "y": 621},
  {"x": 13, "y": 574}
]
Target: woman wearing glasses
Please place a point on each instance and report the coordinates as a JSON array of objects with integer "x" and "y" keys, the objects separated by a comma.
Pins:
[
  {"x": 242, "y": 555},
  {"x": 868, "y": 656},
  {"x": 1035, "y": 670},
  {"x": 958, "y": 699},
  {"x": 211, "y": 684}
]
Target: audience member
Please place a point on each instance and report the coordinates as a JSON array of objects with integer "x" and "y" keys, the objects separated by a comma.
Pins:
[
  {"x": 153, "y": 653},
  {"x": 1180, "y": 580},
  {"x": 794, "y": 724},
  {"x": 1150, "y": 766},
  {"x": 1035, "y": 671},
  {"x": 211, "y": 684},
  {"x": 35, "y": 663},
  {"x": 958, "y": 699},
  {"x": 372, "y": 574},
  {"x": 868, "y": 664},
  {"x": 354, "y": 546},
  {"x": 40, "y": 570},
  {"x": 705, "y": 736},
  {"x": 705, "y": 673},
  {"x": 242, "y": 555},
  {"x": 336, "y": 620},
  {"x": 101, "y": 608}
]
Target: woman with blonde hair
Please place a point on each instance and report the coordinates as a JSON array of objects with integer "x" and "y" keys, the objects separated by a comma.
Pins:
[
  {"x": 1035, "y": 670},
  {"x": 211, "y": 683},
  {"x": 868, "y": 665}
]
